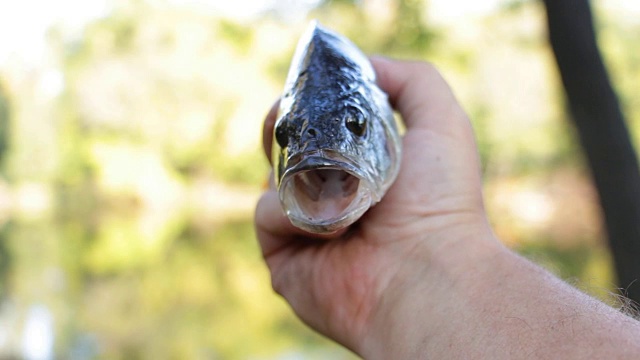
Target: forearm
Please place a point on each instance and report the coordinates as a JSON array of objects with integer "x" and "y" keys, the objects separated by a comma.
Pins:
[{"x": 476, "y": 300}]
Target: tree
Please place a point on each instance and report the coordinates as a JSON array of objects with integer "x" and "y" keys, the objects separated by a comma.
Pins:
[{"x": 602, "y": 131}]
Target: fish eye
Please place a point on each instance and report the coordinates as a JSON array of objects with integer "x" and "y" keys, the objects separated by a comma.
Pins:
[
  {"x": 356, "y": 123},
  {"x": 282, "y": 136}
]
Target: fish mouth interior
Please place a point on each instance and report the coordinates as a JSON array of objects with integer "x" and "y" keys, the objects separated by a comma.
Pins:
[{"x": 324, "y": 199}]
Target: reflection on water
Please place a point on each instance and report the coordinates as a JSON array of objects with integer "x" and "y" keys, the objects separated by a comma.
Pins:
[
  {"x": 199, "y": 290},
  {"x": 37, "y": 337}
]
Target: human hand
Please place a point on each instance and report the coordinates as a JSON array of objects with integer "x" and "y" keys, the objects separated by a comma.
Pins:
[{"x": 350, "y": 286}]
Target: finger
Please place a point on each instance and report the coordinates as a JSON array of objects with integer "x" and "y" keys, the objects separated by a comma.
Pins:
[
  {"x": 272, "y": 181},
  {"x": 427, "y": 103},
  {"x": 269, "y": 183},
  {"x": 267, "y": 129},
  {"x": 274, "y": 229},
  {"x": 419, "y": 93}
]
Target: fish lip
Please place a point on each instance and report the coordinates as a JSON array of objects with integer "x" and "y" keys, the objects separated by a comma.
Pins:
[
  {"x": 327, "y": 159},
  {"x": 323, "y": 159}
]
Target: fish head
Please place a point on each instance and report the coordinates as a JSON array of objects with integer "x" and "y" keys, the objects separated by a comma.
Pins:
[
  {"x": 331, "y": 157},
  {"x": 336, "y": 145}
]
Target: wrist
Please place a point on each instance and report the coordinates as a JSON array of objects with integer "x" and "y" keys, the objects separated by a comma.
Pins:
[{"x": 416, "y": 308}]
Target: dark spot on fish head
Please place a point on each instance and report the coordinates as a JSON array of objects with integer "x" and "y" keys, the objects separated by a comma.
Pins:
[
  {"x": 311, "y": 133},
  {"x": 282, "y": 134},
  {"x": 356, "y": 121}
]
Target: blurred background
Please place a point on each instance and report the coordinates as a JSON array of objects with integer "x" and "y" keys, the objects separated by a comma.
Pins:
[{"x": 130, "y": 150}]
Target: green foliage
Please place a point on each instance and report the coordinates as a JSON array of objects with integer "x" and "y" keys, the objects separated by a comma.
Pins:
[
  {"x": 515, "y": 5},
  {"x": 567, "y": 262},
  {"x": 404, "y": 35},
  {"x": 6, "y": 260},
  {"x": 616, "y": 39},
  {"x": 237, "y": 35},
  {"x": 409, "y": 34},
  {"x": 5, "y": 114},
  {"x": 135, "y": 186}
]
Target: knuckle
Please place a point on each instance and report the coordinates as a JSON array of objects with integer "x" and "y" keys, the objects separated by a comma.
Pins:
[{"x": 426, "y": 69}]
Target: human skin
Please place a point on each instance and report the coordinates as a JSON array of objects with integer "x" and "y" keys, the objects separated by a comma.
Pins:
[{"x": 421, "y": 275}]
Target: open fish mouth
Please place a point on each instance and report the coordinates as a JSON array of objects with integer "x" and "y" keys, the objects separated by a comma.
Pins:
[{"x": 324, "y": 194}]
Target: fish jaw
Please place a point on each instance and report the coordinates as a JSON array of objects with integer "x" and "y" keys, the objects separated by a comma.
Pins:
[{"x": 325, "y": 192}]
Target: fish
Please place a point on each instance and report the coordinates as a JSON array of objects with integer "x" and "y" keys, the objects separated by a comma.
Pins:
[{"x": 337, "y": 146}]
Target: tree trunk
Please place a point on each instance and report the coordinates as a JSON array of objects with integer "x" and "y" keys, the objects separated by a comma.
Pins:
[{"x": 596, "y": 113}]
